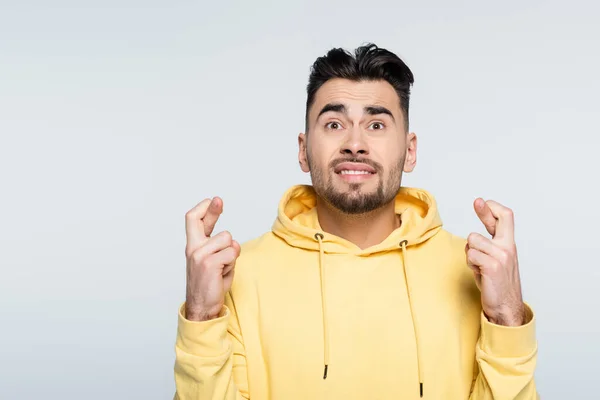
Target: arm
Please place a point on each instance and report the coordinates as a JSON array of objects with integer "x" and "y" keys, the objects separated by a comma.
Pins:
[
  {"x": 210, "y": 358},
  {"x": 506, "y": 351},
  {"x": 506, "y": 359}
]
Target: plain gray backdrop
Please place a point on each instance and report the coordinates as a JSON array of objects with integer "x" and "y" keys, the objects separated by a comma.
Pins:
[{"x": 116, "y": 117}]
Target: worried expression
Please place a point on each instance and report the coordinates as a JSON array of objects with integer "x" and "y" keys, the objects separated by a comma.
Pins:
[{"x": 357, "y": 145}]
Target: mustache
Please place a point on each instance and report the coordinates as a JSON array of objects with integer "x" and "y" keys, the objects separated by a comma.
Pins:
[{"x": 373, "y": 164}]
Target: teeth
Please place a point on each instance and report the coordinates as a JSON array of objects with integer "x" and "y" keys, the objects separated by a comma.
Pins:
[{"x": 354, "y": 172}]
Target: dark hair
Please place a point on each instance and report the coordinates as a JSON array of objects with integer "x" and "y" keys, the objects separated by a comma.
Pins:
[{"x": 368, "y": 63}]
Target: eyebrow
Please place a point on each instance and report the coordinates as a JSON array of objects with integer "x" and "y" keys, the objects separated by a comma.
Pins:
[
  {"x": 376, "y": 110},
  {"x": 333, "y": 107},
  {"x": 340, "y": 108}
]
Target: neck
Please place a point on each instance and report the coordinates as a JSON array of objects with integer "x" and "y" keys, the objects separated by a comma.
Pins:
[{"x": 364, "y": 230}]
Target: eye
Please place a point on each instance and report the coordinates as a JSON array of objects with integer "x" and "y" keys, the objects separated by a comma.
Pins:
[
  {"x": 377, "y": 126},
  {"x": 333, "y": 125}
]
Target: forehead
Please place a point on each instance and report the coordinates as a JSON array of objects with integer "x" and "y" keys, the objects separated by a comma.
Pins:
[{"x": 361, "y": 93}]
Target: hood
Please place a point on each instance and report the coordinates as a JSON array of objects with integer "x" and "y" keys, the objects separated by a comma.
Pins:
[{"x": 297, "y": 222}]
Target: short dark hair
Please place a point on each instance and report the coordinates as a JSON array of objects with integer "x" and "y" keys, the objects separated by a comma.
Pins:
[{"x": 368, "y": 63}]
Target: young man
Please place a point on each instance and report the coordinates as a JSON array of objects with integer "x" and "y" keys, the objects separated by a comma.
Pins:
[{"x": 357, "y": 292}]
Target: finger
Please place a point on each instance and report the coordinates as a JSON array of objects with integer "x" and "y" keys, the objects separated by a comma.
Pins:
[
  {"x": 229, "y": 267},
  {"x": 225, "y": 257},
  {"x": 482, "y": 261},
  {"x": 228, "y": 279},
  {"x": 212, "y": 215},
  {"x": 485, "y": 245},
  {"x": 236, "y": 245},
  {"x": 194, "y": 234},
  {"x": 485, "y": 215},
  {"x": 213, "y": 245},
  {"x": 474, "y": 268},
  {"x": 505, "y": 229}
]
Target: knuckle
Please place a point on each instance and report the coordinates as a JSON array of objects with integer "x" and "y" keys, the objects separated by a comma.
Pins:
[
  {"x": 204, "y": 263},
  {"x": 193, "y": 213},
  {"x": 472, "y": 237},
  {"x": 495, "y": 265},
  {"x": 198, "y": 258},
  {"x": 227, "y": 238},
  {"x": 470, "y": 254},
  {"x": 504, "y": 256},
  {"x": 189, "y": 215}
]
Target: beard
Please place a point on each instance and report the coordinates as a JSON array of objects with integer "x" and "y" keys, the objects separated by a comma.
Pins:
[{"x": 354, "y": 200}]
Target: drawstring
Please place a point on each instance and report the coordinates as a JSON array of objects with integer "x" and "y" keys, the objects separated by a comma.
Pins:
[
  {"x": 319, "y": 237},
  {"x": 412, "y": 314}
]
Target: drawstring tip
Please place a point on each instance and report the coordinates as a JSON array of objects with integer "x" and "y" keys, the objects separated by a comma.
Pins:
[
  {"x": 325, "y": 372},
  {"x": 421, "y": 388}
]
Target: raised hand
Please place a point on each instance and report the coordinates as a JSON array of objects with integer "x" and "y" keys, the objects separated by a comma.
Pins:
[
  {"x": 210, "y": 261},
  {"x": 495, "y": 264}
]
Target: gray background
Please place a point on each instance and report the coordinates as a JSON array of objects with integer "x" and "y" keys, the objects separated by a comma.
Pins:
[{"x": 116, "y": 117}]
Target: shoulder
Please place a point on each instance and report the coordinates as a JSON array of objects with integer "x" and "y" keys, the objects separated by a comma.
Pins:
[
  {"x": 450, "y": 243},
  {"x": 257, "y": 252},
  {"x": 458, "y": 272},
  {"x": 257, "y": 247},
  {"x": 254, "y": 263}
]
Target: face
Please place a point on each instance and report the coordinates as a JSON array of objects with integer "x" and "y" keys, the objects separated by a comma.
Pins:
[{"x": 357, "y": 146}]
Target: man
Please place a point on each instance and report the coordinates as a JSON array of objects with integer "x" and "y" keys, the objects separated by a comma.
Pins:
[{"x": 357, "y": 292}]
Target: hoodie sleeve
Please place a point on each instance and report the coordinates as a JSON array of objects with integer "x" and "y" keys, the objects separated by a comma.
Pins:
[
  {"x": 210, "y": 362},
  {"x": 506, "y": 359}
]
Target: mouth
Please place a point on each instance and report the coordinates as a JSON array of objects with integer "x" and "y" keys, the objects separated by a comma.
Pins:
[{"x": 354, "y": 172}]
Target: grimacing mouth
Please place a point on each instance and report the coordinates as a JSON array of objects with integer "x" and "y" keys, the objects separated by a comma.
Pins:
[{"x": 354, "y": 168}]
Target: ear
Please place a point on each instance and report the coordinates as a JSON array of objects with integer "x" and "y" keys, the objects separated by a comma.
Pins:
[
  {"x": 302, "y": 158},
  {"x": 411, "y": 152}
]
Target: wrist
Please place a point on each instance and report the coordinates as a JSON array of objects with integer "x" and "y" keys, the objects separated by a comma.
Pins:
[
  {"x": 508, "y": 316},
  {"x": 198, "y": 314}
]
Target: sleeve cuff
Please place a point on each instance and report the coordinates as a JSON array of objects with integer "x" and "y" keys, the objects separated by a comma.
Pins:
[
  {"x": 509, "y": 341},
  {"x": 205, "y": 338}
]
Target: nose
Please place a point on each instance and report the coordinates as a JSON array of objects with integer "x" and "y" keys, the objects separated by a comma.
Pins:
[{"x": 355, "y": 144}]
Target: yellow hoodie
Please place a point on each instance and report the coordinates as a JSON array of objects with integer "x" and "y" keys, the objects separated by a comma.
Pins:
[{"x": 312, "y": 316}]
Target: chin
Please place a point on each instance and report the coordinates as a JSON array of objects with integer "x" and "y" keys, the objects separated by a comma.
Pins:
[{"x": 358, "y": 188}]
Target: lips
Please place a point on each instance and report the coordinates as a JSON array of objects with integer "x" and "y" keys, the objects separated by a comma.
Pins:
[{"x": 353, "y": 168}]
